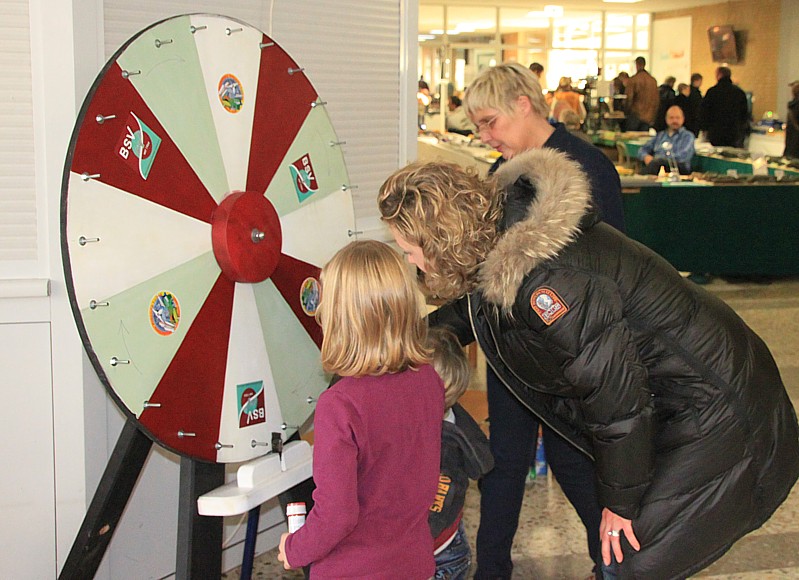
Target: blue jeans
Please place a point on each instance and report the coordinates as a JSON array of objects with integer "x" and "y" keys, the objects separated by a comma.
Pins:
[
  {"x": 454, "y": 561},
  {"x": 513, "y": 431}
]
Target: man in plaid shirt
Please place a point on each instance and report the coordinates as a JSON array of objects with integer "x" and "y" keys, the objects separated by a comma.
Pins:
[{"x": 675, "y": 141}]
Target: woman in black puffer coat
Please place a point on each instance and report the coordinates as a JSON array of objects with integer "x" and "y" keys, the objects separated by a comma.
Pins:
[{"x": 677, "y": 400}]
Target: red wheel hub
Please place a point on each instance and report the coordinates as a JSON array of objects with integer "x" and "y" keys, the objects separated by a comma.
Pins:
[{"x": 246, "y": 237}]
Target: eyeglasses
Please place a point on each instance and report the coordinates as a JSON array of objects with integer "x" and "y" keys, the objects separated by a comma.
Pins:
[{"x": 487, "y": 124}]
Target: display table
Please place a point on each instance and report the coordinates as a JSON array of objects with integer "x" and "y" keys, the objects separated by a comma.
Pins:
[
  {"x": 720, "y": 229},
  {"x": 714, "y": 163},
  {"x": 717, "y": 229},
  {"x": 767, "y": 142},
  {"x": 719, "y": 164}
]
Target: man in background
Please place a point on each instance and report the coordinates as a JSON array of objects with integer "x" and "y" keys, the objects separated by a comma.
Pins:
[
  {"x": 457, "y": 120},
  {"x": 695, "y": 104},
  {"x": 792, "y": 124},
  {"x": 675, "y": 141},
  {"x": 666, "y": 99},
  {"x": 642, "y": 99},
  {"x": 725, "y": 112}
]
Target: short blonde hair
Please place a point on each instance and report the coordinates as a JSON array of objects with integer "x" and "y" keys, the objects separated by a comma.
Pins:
[
  {"x": 450, "y": 363},
  {"x": 451, "y": 214},
  {"x": 499, "y": 87},
  {"x": 371, "y": 313}
]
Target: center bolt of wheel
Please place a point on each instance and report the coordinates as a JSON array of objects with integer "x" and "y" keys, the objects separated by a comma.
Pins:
[{"x": 246, "y": 237}]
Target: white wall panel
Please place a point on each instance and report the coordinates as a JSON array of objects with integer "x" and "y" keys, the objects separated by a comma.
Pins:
[{"x": 27, "y": 502}]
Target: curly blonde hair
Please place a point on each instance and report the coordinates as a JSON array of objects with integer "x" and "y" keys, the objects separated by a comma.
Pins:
[
  {"x": 371, "y": 313},
  {"x": 451, "y": 214}
]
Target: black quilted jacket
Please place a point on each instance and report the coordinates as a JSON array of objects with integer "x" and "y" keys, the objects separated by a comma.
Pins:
[{"x": 677, "y": 400}]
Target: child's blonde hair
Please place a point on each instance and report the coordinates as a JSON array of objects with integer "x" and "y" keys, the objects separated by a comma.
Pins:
[
  {"x": 450, "y": 363},
  {"x": 371, "y": 312}
]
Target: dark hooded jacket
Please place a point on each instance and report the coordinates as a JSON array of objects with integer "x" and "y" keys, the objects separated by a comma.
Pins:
[
  {"x": 465, "y": 455},
  {"x": 677, "y": 400}
]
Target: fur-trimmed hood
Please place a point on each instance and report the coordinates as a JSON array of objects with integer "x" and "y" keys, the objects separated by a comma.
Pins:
[{"x": 562, "y": 196}]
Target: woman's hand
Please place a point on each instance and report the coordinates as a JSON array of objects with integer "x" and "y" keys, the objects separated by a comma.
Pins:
[
  {"x": 610, "y": 531},
  {"x": 281, "y": 553}
]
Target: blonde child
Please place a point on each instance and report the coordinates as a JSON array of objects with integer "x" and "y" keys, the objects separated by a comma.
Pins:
[
  {"x": 377, "y": 430},
  {"x": 465, "y": 454}
]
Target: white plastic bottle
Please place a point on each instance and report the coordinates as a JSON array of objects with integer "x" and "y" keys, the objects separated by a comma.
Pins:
[{"x": 295, "y": 514}]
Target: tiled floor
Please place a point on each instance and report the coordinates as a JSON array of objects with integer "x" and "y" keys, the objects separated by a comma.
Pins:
[{"x": 550, "y": 543}]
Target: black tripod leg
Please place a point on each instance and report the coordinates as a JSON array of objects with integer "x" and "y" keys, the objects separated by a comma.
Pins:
[{"x": 110, "y": 499}]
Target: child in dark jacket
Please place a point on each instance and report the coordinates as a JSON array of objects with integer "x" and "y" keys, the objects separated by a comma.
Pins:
[{"x": 465, "y": 454}]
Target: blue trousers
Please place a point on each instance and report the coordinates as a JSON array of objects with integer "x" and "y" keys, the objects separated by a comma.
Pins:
[
  {"x": 513, "y": 430},
  {"x": 454, "y": 561}
]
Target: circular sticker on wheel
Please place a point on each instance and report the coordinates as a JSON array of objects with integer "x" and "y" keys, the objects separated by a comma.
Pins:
[
  {"x": 164, "y": 313},
  {"x": 310, "y": 295}
]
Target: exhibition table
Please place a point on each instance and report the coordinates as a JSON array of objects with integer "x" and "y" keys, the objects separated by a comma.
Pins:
[
  {"x": 715, "y": 163},
  {"x": 719, "y": 229}
]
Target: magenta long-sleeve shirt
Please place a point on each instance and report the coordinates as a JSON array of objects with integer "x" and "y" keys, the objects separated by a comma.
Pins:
[{"x": 377, "y": 445}]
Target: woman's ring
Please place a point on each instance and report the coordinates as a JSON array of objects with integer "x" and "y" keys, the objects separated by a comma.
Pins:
[{"x": 614, "y": 533}]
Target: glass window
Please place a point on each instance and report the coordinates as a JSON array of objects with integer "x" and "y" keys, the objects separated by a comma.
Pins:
[
  {"x": 526, "y": 56},
  {"x": 429, "y": 66},
  {"x": 572, "y": 43},
  {"x": 618, "y": 31},
  {"x": 616, "y": 62},
  {"x": 642, "y": 32},
  {"x": 578, "y": 30},
  {"x": 472, "y": 24},
  {"x": 577, "y": 64},
  {"x": 520, "y": 19}
]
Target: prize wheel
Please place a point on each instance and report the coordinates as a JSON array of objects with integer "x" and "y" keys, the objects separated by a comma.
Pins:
[{"x": 204, "y": 188}]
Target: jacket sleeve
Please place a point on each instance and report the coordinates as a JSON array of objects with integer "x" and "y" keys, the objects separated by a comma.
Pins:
[
  {"x": 478, "y": 459},
  {"x": 455, "y": 316},
  {"x": 707, "y": 107},
  {"x": 601, "y": 362},
  {"x": 684, "y": 149},
  {"x": 647, "y": 149}
]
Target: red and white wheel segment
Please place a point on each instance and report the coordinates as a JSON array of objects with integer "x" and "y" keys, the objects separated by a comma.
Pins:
[{"x": 204, "y": 189}]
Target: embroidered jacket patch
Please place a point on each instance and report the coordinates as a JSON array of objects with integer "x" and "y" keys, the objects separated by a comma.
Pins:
[{"x": 548, "y": 305}]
